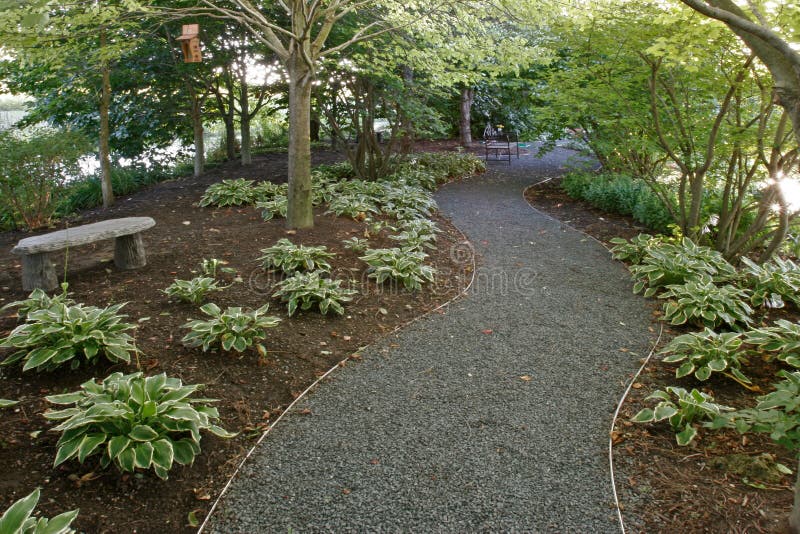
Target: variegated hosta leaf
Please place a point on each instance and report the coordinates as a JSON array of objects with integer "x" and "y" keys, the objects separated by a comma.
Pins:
[
  {"x": 233, "y": 329},
  {"x": 135, "y": 422}
]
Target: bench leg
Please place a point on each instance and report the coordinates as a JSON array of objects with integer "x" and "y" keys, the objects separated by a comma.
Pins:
[
  {"x": 38, "y": 271},
  {"x": 129, "y": 252}
]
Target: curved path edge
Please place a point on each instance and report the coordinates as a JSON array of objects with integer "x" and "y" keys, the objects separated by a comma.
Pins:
[{"x": 493, "y": 416}]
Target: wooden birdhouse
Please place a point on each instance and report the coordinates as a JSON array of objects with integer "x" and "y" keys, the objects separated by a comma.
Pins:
[{"x": 190, "y": 43}]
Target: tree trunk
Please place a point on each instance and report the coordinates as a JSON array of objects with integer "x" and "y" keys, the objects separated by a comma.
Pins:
[
  {"x": 247, "y": 159},
  {"x": 465, "y": 124},
  {"x": 230, "y": 136},
  {"x": 300, "y": 213},
  {"x": 199, "y": 143},
  {"x": 105, "y": 131}
]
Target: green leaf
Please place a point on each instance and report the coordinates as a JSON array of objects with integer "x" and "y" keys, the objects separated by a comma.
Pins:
[
  {"x": 60, "y": 523},
  {"x": 5, "y": 403},
  {"x": 684, "y": 370},
  {"x": 686, "y": 435},
  {"x": 143, "y": 455},
  {"x": 127, "y": 459},
  {"x": 664, "y": 411},
  {"x": 116, "y": 445},
  {"x": 12, "y": 520},
  {"x": 67, "y": 450},
  {"x": 89, "y": 444},
  {"x": 143, "y": 433},
  {"x": 644, "y": 416},
  {"x": 183, "y": 452},
  {"x": 163, "y": 454}
]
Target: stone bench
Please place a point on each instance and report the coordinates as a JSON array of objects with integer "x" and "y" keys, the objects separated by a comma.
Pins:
[{"x": 38, "y": 270}]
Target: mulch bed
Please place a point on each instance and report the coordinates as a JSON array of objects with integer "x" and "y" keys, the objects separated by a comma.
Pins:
[
  {"x": 709, "y": 486},
  {"x": 251, "y": 393}
]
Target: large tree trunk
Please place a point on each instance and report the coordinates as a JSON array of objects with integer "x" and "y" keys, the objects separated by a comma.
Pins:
[
  {"x": 465, "y": 124},
  {"x": 105, "y": 131},
  {"x": 300, "y": 213},
  {"x": 199, "y": 143},
  {"x": 247, "y": 159}
]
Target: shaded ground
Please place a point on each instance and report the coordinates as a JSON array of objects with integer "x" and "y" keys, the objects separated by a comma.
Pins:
[
  {"x": 664, "y": 487},
  {"x": 251, "y": 393}
]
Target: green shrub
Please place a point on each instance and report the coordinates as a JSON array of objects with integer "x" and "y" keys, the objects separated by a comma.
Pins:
[
  {"x": 232, "y": 329},
  {"x": 403, "y": 265},
  {"x": 19, "y": 519},
  {"x": 87, "y": 193},
  {"x": 670, "y": 263},
  {"x": 238, "y": 192},
  {"x": 575, "y": 184},
  {"x": 703, "y": 303},
  {"x": 303, "y": 291},
  {"x": 353, "y": 206},
  {"x": 651, "y": 212},
  {"x": 782, "y": 339},
  {"x": 194, "y": 290},
  {"x": 134, "y": 422},
  {"x": 70, "y": 333},
  {"x": 336, "y": 171},
  {"x": 289, "y": 258},
  {"x": 34, "y": 169},
  {"x": 773, "y": 282},
  {"x": 404, "y": 202},
  {"x": 416, "y": 234},
  {"x": 706, "y": 352},
  {"x": 618, "y": 195},
  {"x": 690, "y": 408},
  {"x": 449, "y": 165}
]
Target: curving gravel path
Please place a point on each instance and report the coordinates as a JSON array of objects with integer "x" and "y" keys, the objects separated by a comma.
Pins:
[{"x": 447, "y": 427}]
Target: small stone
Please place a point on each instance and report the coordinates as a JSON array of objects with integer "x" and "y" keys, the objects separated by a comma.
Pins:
[{"x": 186, "y": 223}]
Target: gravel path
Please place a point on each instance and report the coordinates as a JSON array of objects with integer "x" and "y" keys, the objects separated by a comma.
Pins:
[{"x": 493, "y": 416}]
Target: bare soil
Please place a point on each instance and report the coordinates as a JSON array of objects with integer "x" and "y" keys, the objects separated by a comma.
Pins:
[
  {"x": 251, "y": 393},
  {"x": 717, "y": 484}
]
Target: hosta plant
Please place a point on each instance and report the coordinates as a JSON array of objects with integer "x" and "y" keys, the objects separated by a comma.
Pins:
[
  {"x": 403, "y": 265},
  {"x": 703, "y": 303},
  {"x": 706, "y": 352},
  {"x": 289, "y": 258},
  {"x": 19, "y": 518},
  {"x": 777, "y": 413},
  {"x": 356, "y": 244},
  {"x": 782, "y": 340},
  {"x": 772, "y": 282},
  {"x": 65, "y": 334},
  {"x": 232, "y": 329},
  {"x": 670, "y": 263},
  {"x": 236, "y": 192},
  {"x": 264, "y": 191},
  {"x": 683, "y": 413},
  {"x": 414, "y": 239},
  {"x": 406, "y": 202},
  {"x": 193, "y": 290},
  {"x": 39, "y": 300},
  {"x": 210, "y": 267},
  {"x": 134, "y": 422},
  {"x": 354, "y": 206},
  {"x": 277, "y": 206},
  {"x": 304, "y": 291},
  {"x": 633, "y": 251}
]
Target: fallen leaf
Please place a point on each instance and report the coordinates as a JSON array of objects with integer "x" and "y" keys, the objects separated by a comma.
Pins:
[
  {"x": 526, "y": 378},
  {"x": 305, "y": 411},
  {"x": 201, "y": 494},
  {"x": 487, "y": 331},
  {"x": 346, "y": 491},
  {"x": 192, "y": 520},
  {"x": 637, "y": 385}
]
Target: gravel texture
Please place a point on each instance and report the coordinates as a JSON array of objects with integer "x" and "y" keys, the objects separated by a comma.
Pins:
[{"x": 491, "y": 416}]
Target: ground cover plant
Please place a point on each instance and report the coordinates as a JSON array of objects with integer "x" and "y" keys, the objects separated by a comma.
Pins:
[
  {"x": 69, "y": 334},
  {"x": 401, "y": 265},
  {"x": 288, "y": 258},
  {"x": 231, "y": 329},
  {"x": 194, "y": 290},
  {"x": 133, "y": 421},
  {"x": 304, "y": 291}
]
